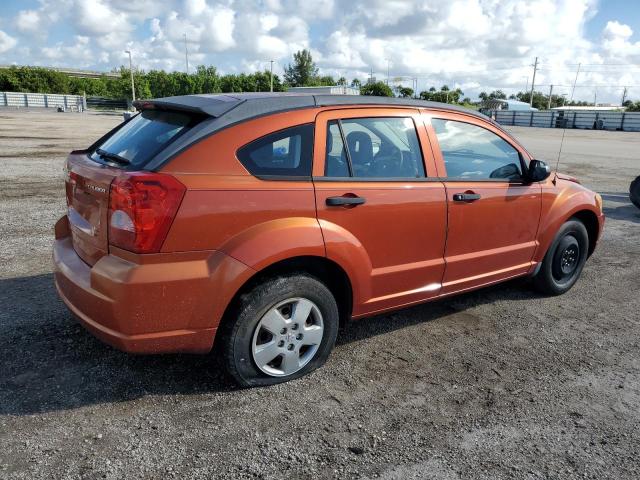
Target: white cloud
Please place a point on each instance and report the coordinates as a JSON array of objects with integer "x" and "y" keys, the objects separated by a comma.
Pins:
[
  {"x": 96, "y": 17},
  {"x": 79, "y": 52},
  {"x": 475, "y": 44},
  {"x": 6, "y": 42},
  {"x": 28, "y": 21},
  {"x": 615, "y": 29}
]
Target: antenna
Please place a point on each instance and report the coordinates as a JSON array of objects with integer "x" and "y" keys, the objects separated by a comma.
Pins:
[{"x": 564, "y": 129}]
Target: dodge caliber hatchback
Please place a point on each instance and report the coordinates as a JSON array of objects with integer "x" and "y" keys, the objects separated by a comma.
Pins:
[{"x": 263, "y": 222}]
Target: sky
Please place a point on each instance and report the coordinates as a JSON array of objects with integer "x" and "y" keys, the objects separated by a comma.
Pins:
[{"x": 476, "y": 45}]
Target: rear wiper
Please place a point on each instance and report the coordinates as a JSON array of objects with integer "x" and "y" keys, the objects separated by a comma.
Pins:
[{"x": 113, "y": 156}]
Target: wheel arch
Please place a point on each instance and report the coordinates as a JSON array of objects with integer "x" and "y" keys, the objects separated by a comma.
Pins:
[
  {"x": 327, "y": 271},
  {"x": 590, "y": 221}
]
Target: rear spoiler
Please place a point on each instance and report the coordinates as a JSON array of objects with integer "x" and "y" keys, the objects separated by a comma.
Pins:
[{"x": 191, "y": 103}]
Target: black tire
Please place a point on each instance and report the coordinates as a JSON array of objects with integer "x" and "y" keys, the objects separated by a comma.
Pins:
[
  {"x": 565, "y": 259},
  {"x": 250, "y": 309},
  {"x": 634, "y": 192}
]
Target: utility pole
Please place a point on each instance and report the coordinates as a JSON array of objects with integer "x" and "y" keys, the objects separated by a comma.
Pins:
[
  {"x": 133, "y": 88},
  {"x": 624, "y": 96},
  {"x": 550, "y": 93},
  {"x": 533, "y": 81},
  {"x": 186, "y": 53},
  {"x": 575, "y": 81},
  {"x": 271, "y": 78},
  {"x": 595, "y": 97},
  {"x": 526, "y": 88},
  {"x": 387, "y": 71}
]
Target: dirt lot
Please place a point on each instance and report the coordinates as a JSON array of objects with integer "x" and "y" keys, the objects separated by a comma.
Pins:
[{"x": 500, "y": 383}]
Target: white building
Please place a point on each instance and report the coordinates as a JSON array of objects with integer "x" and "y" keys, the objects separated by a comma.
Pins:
[{"x": 329, "y": 90}]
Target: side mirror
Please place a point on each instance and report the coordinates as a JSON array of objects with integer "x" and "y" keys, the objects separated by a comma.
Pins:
[{"x": 538, "y": 171}]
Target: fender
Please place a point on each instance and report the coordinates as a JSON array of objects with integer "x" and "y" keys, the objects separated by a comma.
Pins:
[
  {"x": 559, "y": 204},
  {"x": 269, "y": 242},
  {"x": 347, "y": 251}
]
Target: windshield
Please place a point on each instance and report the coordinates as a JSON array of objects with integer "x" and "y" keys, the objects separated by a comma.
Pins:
[{"x": 136, "y": 142}]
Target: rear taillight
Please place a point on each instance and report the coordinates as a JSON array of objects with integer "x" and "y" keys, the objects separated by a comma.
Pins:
[
  {"x": 142, "y": 206},
  {"x": 70, "y": 181}
]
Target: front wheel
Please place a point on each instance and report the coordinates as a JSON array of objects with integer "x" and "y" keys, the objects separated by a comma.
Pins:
[
  {"x": 283, "y": 329},
  {"x": 634, "y": 192},
  {"x": 564, "y": 260}
]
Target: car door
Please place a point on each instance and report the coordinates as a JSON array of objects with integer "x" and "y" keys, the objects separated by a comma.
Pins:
[
  {"x": 381, "y": 208},
  {"x": 493, "y": 213}
]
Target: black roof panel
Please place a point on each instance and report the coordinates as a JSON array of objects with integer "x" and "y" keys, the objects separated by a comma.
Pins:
[{"x": 244, "y": 106}]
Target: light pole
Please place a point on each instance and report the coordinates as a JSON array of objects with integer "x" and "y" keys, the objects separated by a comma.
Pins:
[
  {"x": 186, "y": 53},
  {"x": 271, "y": 77},
  {"x": 564, "y": 99},
  {"x": 133, "y": 88},
  {"x": 388, "y": 63}
]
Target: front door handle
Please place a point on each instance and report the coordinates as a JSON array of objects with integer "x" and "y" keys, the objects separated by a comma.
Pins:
[
  {"x": 341, "y": 201},
  {"x": 465, "y": 197}
]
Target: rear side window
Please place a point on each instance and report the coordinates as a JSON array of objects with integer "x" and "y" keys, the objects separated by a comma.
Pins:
[
  {"x": 284, "y": 153},
  {"x": 377, "y": 147},
  {"x": 142, "y": 137},
  {"x": 472, "y": 152}
]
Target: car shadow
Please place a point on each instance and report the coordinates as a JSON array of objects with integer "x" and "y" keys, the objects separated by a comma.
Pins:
[
  {"x": 48, "y": 362},
  {"x": 624, "y": 209}
]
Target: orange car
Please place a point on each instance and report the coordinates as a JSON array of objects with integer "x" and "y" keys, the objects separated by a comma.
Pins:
[{"x": 266, "y": 220}]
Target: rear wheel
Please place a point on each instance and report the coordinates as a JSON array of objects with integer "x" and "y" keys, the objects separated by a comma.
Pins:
[
  {"x": 634, "y": 192},
  {"x": 564, "y": 260},
  {"x": 283, "y": 329}
]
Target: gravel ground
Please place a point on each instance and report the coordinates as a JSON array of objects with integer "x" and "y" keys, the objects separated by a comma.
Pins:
[{"x": 499, "y": 383}]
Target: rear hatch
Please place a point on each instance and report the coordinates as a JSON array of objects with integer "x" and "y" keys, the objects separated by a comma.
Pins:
[
  {"x": 90, "y": 173},
  {"x": 87, "y": 186}
]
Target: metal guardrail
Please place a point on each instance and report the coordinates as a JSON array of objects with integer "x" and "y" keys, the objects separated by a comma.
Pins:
[
  {"x": 66, "y": 102},
  {"x": 43, "y": 100},
  {"x": 592, "y": 120},
  {"x": 108, "y": 103}
]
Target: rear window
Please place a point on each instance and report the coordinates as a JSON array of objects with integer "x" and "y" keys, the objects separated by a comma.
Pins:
[
  {"x": 142, "y": 137},
  {"x": 283, "y": 153}
]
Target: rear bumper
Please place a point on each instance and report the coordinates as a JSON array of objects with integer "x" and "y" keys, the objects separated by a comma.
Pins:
[{"x": 161, "y": 303}]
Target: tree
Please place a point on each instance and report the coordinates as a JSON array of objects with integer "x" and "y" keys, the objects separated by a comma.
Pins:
[
  {"x": 356, "y": 83},
  {"x": 323, "y": 81},
  {"x": 303, "y": 70},
  {"x": 633, "y": 107},
  {"x": 378, "y": 89},
  {"x": 541, "y": 101},
  {"x": 404, "y": 92},
  {"x": 342, "y": 82},
  {"x": 445, "y": 95}
]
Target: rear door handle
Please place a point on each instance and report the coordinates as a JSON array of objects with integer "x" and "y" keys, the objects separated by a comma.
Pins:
[
  {"x": 465, "y": 197},
  {"x": 340, "y": 201}
]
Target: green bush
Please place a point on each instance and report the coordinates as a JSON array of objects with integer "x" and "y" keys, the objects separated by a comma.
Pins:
[
  {"x": 378, "y": 89},
  {"x": 152, "y": 84}
]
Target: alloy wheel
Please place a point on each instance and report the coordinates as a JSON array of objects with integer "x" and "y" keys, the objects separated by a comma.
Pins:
[{"x": 287, "y": 337}]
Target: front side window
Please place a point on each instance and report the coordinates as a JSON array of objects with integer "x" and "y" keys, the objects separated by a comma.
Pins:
[
  {"x": 377, "y": 147},
  {"x": 475, "y": 153},
  {"x": 287, "y": 153}
]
